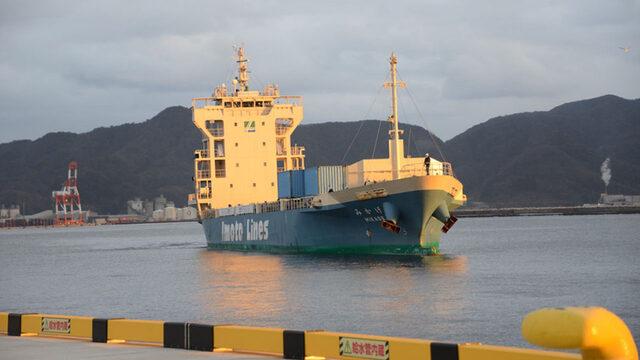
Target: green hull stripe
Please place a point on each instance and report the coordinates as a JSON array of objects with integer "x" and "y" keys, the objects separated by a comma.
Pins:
[{"x": 431, "y": 249}]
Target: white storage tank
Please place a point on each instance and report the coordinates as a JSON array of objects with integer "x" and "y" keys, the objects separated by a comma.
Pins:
[
  {"x": 189, "y": 213},
  {"x": 179, "y": 214},
  {"x": 170, "y": 213},
  {"x": 158, "y": 215}
]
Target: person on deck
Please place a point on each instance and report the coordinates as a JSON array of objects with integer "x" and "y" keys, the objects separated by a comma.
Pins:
[{"x": 427, "y": 162}]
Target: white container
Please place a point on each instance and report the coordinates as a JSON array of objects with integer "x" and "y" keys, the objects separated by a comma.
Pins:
[{"x": 331, "y": 178}]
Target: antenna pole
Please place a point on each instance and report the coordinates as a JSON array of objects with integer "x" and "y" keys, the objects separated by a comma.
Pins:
[{"x": 396, "y": 148}]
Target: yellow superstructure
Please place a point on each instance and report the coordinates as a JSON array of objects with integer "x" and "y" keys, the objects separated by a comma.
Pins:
[{"x": 246, "y": 141}]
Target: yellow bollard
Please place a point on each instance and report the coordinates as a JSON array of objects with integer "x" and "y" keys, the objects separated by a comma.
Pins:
[{"x": 597, "y": 332}]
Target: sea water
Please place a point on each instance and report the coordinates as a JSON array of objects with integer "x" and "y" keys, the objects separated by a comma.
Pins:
[{"x": 493, "y": 272}]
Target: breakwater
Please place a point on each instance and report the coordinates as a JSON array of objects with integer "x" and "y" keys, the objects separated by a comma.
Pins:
[{"x": 542, "y": 211}]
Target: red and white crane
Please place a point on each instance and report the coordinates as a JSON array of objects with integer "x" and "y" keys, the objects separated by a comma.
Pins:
[{"x": 68, "y": 209}]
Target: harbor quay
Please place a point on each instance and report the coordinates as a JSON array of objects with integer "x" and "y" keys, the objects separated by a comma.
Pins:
[
  {"x": 58, "y": 349},
  {"x": 596, "y": 332}
]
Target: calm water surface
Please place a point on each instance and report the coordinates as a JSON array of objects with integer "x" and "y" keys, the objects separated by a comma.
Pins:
[{"x": 495, "y": 271}]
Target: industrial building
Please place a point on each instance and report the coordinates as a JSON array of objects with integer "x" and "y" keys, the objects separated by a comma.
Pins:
[
  {"x": 619, "y": 200},
  {"x": 160, "y": 209}
]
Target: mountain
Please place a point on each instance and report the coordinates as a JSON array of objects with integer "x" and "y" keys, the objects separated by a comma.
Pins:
[
  {"x": 115, "y": 163},
  {"x": 155, "y": 157},
  {"x": 527, "y": 159},
  {"x": 551, "y": 157}
]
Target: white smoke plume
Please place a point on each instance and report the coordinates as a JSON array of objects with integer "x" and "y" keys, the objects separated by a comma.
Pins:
[{"x": 605, "y": 171}]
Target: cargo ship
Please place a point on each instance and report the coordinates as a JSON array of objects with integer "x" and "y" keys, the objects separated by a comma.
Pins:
[{"x": 254, "y": 193}]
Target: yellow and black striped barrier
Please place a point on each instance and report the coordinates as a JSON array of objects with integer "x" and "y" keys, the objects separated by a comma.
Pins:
[{"x": 596, "y": 332}]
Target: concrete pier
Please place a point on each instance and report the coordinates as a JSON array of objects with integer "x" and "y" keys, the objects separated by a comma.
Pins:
[{"x": 36, "y": 348}]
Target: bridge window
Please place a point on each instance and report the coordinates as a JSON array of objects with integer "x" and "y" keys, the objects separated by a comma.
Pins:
[
  {"x": 220, "y": 168},
  {"x": 215, "y": 127},
  {"x": 218, "y": 148},
  {"x": 247, "y": 104}
]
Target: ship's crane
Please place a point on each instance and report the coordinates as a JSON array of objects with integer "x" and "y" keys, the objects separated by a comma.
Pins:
[{"x": 68, "y": 210}]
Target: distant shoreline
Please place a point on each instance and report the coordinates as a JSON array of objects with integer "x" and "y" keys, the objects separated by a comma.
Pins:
[
  {"x": 548, "y": 211},
  {"x": 462, "y": 213}
]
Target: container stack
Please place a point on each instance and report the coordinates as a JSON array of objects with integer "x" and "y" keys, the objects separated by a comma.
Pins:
[{"x": 311, "y": 181}]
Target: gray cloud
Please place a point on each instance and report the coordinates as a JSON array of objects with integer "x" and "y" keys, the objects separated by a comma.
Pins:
[{"x": 73, "y": 66}]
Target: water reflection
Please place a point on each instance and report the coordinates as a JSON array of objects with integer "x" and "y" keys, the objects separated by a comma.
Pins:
[
  {"x": 277, "y": 289},
  {"x": 446, "y": 264},
  {"x": 243, "y": 286}
]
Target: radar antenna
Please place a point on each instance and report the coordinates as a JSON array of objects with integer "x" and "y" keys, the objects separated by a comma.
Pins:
[{"x": 243, "y": 69}]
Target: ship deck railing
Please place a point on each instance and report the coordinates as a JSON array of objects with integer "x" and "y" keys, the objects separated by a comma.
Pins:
[
  {"x": 261, "y": 208},
  {"x": 410, "y": 170},
  {"x": 202, "y": 153},
  {"x": 204, "y": 174},
  {"x": 297, "y": 150}
]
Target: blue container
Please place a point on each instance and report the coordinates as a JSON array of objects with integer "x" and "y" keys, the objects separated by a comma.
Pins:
[
  {"x": 284, "y": 185},
  {"x": 297, "y": 183},
  {"x": 311, "y": 181}
]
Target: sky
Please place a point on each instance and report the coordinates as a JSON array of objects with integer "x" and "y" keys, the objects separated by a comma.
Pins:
[{"x": 77, "y": 65}]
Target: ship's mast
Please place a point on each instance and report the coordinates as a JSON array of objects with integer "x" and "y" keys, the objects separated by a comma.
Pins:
[
  {"x": 243, "y": 71},
  {"x": 396, "y": 149}
]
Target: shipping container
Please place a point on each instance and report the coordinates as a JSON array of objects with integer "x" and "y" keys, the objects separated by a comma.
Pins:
[
  {"x": 311, "y": 181},
  {"x": 297, "y": 183},
  {"x": 284, "y": 185},
  {"x": 331, "y": 178}
]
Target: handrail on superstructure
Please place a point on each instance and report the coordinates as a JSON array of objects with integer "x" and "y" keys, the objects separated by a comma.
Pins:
[
  {"x": 234, "y": 102},
  {"x": 297, "y": 150},
  {"x": 289, "y": 100},
  {"x": 202, "y": 153}
]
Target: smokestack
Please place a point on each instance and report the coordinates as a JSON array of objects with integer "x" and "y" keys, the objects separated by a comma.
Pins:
[{"x": 605, "y": 172}]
